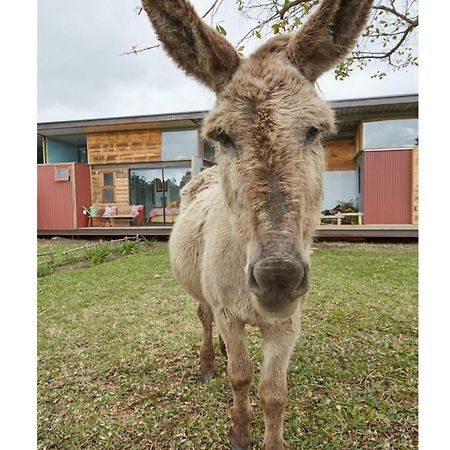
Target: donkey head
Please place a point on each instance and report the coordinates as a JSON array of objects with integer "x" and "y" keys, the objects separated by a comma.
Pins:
[{"x": 266, "y": 126}]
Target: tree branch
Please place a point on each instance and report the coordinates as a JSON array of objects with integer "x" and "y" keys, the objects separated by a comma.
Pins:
[
  {"x": 136, "y": 51},
  {"x": 211, "y": 8},
  {"x": 289, "y": 6},
  {"x": 398, "y": 14},
  {"x": 387, "y": 24},
  {"x": 388, "y": 54}
]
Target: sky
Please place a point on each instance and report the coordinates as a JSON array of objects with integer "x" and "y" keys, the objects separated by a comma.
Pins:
[{"x": 82, "y": 72}]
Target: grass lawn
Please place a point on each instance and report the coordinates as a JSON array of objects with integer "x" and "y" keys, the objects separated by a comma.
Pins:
[{"x": 118, "y": 365}]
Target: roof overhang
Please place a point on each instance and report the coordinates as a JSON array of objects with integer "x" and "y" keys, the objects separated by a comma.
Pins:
[
  {"x": 348, "y": 114},
  {"x": 157, "y": 121}
]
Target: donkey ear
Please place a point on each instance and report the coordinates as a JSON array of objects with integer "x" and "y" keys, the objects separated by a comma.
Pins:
[
  {"x": 197, "y": 48},
  {"x": 328, "y": 35}
]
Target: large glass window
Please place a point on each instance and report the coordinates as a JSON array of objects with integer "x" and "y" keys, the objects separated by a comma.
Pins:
[
  {"x": 180, "y": 144},
  {"x": 400, "y": 133},
  {"x": 67, "y": 148},
  {"x": 159, "y": 191}
]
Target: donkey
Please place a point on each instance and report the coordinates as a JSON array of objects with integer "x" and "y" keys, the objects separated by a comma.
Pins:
[{"x": 242, "y": 240}]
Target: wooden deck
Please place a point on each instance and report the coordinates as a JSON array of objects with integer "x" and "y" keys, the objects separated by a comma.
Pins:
[
  {"x": 323, "y": 232},
  {"x": 368, "y": 231}
]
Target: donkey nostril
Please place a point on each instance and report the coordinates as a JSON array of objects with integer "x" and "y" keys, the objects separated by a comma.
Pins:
[
  {"x": 303, "y": 284},
  {"x": 299, "y": 274},
  {"x": 252, "y": 283}
]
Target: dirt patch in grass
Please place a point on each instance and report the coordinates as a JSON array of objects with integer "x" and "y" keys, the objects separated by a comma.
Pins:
[{"x": 83, "y": 264}]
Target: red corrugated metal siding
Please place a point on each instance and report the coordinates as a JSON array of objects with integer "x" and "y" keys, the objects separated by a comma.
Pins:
[
  {"x": 55, "y": 199},
  {"x": 83, "y": 192},
  {"x": 387, "y": 187}
]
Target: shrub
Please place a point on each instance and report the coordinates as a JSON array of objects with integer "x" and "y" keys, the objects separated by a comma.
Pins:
[
  {"x": 148, "y": 242},
  {"x": 45, "y": 269},
  {"x": 98, "y": 254},
  {"x": 129, "y": 247}
]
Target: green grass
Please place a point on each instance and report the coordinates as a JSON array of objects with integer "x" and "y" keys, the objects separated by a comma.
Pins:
[{"x": 118, "y": 365}]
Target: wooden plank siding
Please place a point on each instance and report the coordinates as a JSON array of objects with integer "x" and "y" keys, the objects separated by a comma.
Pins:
[
  {"x": 340, "y": 154},
  {"x": 115, "y": 147},
  {"x": 121, "y": 186}
]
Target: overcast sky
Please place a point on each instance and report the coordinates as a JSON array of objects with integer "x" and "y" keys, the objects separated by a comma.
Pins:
[{"x": 81, "y": 73}]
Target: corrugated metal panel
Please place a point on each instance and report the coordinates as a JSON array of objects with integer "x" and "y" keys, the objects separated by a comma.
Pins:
[
  {"x": 55, "y": 199},
  {"x": 340, "y": 186},
  {"x": 83, "y": 192},
  {"x": 387, "y": 187}
]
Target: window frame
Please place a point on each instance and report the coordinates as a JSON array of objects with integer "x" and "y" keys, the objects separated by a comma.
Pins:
[
  {"x": 163, "y": 182},
  {"x": 62, "y": 173},
  {"x": 361, "y": 133},
  {"x": 109, "y": 187},
  {"x": 183, "y": 158}
]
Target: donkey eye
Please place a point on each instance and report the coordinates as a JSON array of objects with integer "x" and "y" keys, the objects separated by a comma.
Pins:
[
  {"x": 226, "y": 141},
  {"x": 311, "y": 135}
]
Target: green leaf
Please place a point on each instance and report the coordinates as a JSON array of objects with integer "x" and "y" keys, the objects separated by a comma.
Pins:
[{"x": 221, "y": 30}]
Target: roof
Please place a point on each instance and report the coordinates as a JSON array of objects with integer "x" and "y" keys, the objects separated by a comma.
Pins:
[{"x": 348, "y": 114}]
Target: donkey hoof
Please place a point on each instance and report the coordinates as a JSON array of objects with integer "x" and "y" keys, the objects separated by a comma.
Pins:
[
  {"x": 232, "y": 446},
  {"x": 207, "y": 376}
]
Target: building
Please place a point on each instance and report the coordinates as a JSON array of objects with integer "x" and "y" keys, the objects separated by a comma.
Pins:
[{"x": 98, "y": 164}]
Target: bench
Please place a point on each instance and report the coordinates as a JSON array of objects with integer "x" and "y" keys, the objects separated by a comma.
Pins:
[
  {"x": 340, "y": 216},
  {"x": 108, "y": 215}
]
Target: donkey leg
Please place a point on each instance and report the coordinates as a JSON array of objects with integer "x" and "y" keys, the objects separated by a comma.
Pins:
[
  {"x": 240, "y": 374},
  {"x": 207, "y": 356},
  {"x": 277, "y": 348}
]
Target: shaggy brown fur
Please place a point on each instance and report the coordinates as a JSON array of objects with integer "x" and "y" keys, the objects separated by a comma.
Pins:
[
  {"x": 317, "y": 48},
  {"x": 241, "y": 243}
]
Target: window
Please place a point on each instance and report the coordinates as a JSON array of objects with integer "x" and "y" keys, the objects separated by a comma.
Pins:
[
  {"x": 399, "y": 133},
  {"x": 159, "y": 191},
  {"x": 62, "y": 174},
  {"x": 82, "y": 154},
  {"x": 66, "y": 148},
  {"x": 180, "y": 144},
  {"x": 108, "y": 179},
  {"x": 108, "y": 195},
  {"x": 108, "y": 187},
  {"x": 40, "y": 150}
]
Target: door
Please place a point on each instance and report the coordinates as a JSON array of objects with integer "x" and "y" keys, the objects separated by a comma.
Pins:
[{"x": 158, "y": 190}]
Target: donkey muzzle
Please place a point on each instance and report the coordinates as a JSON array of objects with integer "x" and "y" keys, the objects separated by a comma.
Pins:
[{"x": 278, "y": 282}]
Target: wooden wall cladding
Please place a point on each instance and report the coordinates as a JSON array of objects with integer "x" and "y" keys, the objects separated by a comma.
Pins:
[
  {"x": 115, "y": 147},
  {"x": 121, "y": 186},
  {"x": 340, "y": 155},
  {"x": 415, "y": 186}
]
